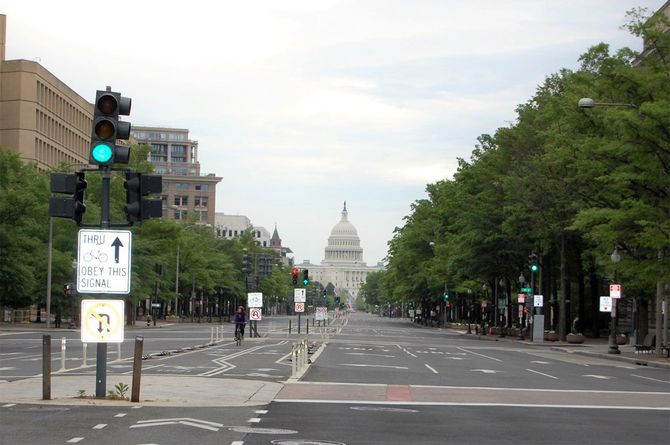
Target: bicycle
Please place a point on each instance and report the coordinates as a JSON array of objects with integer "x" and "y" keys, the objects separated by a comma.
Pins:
[{"x": 239, "y": 333}]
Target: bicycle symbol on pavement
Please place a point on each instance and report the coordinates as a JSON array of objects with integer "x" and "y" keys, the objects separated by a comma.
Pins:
[{"x": 97, "y": 255}]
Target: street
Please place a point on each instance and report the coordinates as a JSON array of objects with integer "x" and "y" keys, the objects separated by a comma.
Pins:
[{"x": 379, "y": 381}]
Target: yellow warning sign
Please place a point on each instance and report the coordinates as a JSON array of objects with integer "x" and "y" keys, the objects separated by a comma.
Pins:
[{"x": 102, "y": 321}]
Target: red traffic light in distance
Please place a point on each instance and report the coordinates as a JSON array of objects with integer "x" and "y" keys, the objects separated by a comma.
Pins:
[{"x": 295, "y": 271}]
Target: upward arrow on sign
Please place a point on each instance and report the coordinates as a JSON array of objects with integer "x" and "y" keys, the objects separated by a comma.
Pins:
[{"x": 116, "y": 244}]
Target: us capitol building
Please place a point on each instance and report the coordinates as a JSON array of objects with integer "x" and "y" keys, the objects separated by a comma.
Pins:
[{"x": 343, "y": 265}]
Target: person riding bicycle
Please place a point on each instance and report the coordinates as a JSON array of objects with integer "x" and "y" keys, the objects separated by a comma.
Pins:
[{"x": 240, "y": 321}]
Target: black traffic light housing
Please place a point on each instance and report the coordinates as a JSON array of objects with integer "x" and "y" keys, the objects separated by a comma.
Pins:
[
  {"x": 533, "y": 265},
  {"x": 305, "y": 277},
  {"x": 107, "y": 128},
  {"x": 325, "y": 294},
  {"x": 139, "y": 208},
  {"x": 294, "y": 274},
  {"x": 71, "y": 207}
]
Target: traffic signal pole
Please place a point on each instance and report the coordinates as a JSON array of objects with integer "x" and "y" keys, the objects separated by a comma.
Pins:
[{"x": 105, "y": 221}]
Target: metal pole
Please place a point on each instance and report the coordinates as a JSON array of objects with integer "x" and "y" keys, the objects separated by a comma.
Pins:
[
  {"x": 137, "y": 369},
  {"x": 62, "y": 353},
  {"x": 46, "y": 367},
  {"x": 101, "y": 357},
  {"x": 49, "y": 259},
  {"x": 176, "y": 286},
  {"x": 299, "y": 322}
]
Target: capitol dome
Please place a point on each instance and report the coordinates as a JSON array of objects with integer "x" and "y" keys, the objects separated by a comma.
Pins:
[{"x": 344, "y": 245}]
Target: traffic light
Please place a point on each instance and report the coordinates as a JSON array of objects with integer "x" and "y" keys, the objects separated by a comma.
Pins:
[
  {"x": 107, "y": 128},
  {"x": 72, "y": 207},
  {"x": 446, "y": 295},
  {"x": 305, "y": 277},
  {"x": 533, "y": 264},
  {"x": 337, "y": 300},
  {"x": 325, "y": 294},
  {"x": 294, "y": 273},
  {"x": 68, "y": 289},
  {"x": 246, "y": 266},
  {"x": 138, "y": 186}
]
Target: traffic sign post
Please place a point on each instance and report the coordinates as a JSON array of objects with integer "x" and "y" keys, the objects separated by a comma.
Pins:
[{"x": 103, "y": 261}]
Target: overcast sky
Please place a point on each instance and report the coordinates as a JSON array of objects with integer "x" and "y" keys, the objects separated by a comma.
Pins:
[{"x": 301, "y": 105}]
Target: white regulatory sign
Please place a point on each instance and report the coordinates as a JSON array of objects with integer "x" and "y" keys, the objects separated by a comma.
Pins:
[
  {"x": 255, "y": 313},
  {"x": 102, "y": 321},
  {"x": 538, "y": 300},
  {"x": 299, "y": 296},
  {"x": 300, "y": 307},
  {"x": 605, "y": 304},
  {"x": 103, "y": 261},
  {"x": 255, "y": 299},
  {"x": 615, "y": 290},
  {"x": 321, "y": 313}
]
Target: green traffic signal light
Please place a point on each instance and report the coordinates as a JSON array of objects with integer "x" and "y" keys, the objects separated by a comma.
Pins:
[
  {"x": 534, "y": 268},
  {"x": 102, "y": 153}
]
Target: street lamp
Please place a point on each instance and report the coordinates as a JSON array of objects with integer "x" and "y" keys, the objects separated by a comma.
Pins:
[
  {"x": 587, "y": 102},
  {"x": 613, "y": 347}
]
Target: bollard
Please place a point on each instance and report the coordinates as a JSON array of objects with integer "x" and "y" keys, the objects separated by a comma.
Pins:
[
  {"x": 118, "y": 352},
  {"x": 289, "y": 326},
  {"x": 294, "y": 357},
  {"x": 211, "y": 335},
  {"x": 46, "y": 367},
  {"x": 62, "y": 354},
  {"x": 137, "y": 369},
  {"x": 307, "y": 326},
  {"x": 83, "y": 354}
]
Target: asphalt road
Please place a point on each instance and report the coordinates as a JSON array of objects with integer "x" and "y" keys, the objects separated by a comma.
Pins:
[{"x": 380, "y": 381}]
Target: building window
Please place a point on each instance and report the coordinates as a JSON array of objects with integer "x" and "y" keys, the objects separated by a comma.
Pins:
[
  {"x": 201, "y": 201},
  {"x": 203, "y": 216},
  {"x": 181, "y": 200},
  {"x": 180, "y": 186},
  {"x": 180, "y": 171},
  {"x": 180, "y": 214},
  {"x": 203, "y": 187},
  {"x": 230, "y": 233}
]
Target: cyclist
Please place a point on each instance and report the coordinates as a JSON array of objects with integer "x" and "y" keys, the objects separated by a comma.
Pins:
[{"x": 240, "y": 322}]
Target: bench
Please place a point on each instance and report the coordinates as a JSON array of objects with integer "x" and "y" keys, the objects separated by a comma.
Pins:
[{"x": 648, "y": 344}]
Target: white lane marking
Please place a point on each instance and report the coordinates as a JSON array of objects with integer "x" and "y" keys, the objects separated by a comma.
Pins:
[
  {"x": 649, "y": 378},
  {"x": 75, "y": 439},
  {"x": 625, "y": 367},
  {"x": 596, "y": 376},
  {"x": 373, "y": 366},
  {"x": 481, "y": 355},
  {"x": 120, "y": 415},
  {"x": 99, "y": 426},
  {"x": 7, "y": 368},
  {"x": 406, "y": 351},
  {"x": 203, "y": 424},
  {"x": 237, "y": 442},
  {"x": 431, "y": 368},
  {"x": 261, "y": 411},
  {"x": 454, "y": 358},
  {"x": 370, "y": 355},
  {"x": 254, "y": 420},
  {"x": 485, "y": 371},
  {"x": 9, "y": 405},
  {"x": 519, "y": 405},
  {"x": 539, "y": 362},
  {"x": 542, "y": 373}
]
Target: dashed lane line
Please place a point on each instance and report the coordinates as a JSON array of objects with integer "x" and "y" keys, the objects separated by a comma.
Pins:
[
  {"x": 431, "y": 368},
  {"x": 542, "y": 373},
  {"x": 649, "y": 378},
  {"x": 99, "y": 426},
  {"x": 481, "y": 355}
]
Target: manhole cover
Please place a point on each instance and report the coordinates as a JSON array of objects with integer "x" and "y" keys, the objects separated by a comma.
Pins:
[
  {"x": 384, "y": 409},
  {"x": 305, "y": 442},
  {"x": 252, "y": 430}
]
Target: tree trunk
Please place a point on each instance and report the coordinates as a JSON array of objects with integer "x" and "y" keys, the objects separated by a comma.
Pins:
[
  {"x": 595, "y": 300},
  {"x": 562, "y": 294}
]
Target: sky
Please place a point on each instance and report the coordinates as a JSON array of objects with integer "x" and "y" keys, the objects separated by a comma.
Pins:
[{"x": 300, "y": 105}]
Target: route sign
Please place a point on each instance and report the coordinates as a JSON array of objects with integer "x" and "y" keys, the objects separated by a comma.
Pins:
[
  {"x": 538, "y": 300},
  {"x": 615, "y": 290},
  {"x": 605, "y": 304},
  {"x": 255, "y": 299},
  {"x": 300, "y": 307},
  {"x": 255, "y": 313},
  {"x": 526, "y": 290},
  {"x": 102, "y": 321},
  {"x": 299, "y": 296},
  {"x": 321, "y": 313},
  {"x": 103, "y": 261}
]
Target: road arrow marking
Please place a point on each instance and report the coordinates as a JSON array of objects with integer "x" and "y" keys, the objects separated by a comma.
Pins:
[
  {"x": 485, "y": 371},
  {"x": 596, "y": 376},
  {"x": 196, "y": 423}
]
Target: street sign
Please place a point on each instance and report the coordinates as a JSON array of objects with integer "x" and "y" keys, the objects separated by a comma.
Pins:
[
  {"x": 102, "y": 321},
  {"x": 521, "y": 298},
  {"x": 300, "y": 307},
  {"x": 321, "y": 313},
  {"x": 615, "y": 290},
  {"x": 255, "y": 313},
  {"x": 103, "y": 261},
  {"x": 605, "y": 304},
  {"x": 299, "y": 296},
  {"x": 526, "y": 290},
  {"x": 538, "y": 300},
  {"x": 255, "y": 299}
]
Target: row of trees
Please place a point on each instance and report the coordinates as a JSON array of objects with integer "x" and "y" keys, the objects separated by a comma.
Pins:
[
  {"x": 569, "y": 184},
  {"x": 209, "y": 267}
]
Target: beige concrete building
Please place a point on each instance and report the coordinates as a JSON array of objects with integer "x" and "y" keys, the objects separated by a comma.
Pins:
[
  {"x": 41, "y": 118},
  {"x": 186, "y": 193}
]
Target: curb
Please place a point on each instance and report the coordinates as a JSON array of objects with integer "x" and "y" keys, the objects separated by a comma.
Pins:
[{"x": 614, "y": 357}]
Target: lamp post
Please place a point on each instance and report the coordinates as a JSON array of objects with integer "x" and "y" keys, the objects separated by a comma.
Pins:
[{"x": 613, "y": 347}]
